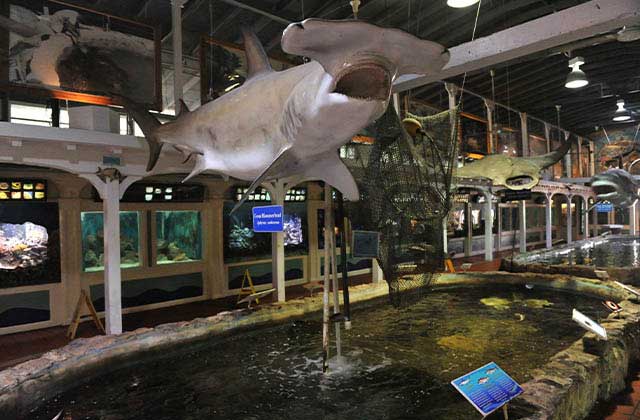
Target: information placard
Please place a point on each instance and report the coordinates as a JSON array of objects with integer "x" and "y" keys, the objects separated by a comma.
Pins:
[
  {"x": 268, "y": 219},
  {"x": 589, "y": 324},
  {"x": 487, "y": 388},
  {"x": 604, "y": 207},
  {"x": 365, "y": 244}
]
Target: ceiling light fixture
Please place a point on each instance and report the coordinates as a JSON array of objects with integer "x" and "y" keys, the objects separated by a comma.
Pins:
[
  {"x": 458, "y": 4},
  {"x": 621, "y": 113},
  {"x": 576, "y": 79}
]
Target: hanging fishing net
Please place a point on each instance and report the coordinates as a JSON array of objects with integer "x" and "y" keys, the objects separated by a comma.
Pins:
[{"x": 405, "y": 186}]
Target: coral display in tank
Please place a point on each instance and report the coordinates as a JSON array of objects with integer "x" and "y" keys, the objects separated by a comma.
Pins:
[
  {"x": 22, "y": 245},
  {"x": 179, "y": 236},
  {"x": 292, "y": 230},
  {"x": 29, "y": 243},
  {"x": 93, "y": 240}
]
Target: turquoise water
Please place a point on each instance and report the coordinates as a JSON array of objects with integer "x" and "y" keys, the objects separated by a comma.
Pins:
[
  {"x": 179, "y": 236},
  {"x": 398, "y": 364},
  {"x": 92, "y": 224}
]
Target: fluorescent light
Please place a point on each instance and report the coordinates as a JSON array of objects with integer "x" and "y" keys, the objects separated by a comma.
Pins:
[
  {"x": 621, "y": 113},
  {"x": 461, "y": 3},
  {"x": 576, "y": 79}
]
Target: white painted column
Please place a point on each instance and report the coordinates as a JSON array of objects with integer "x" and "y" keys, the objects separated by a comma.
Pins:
[
  {"x": 468, "y": 240},
  {"x": 488, "y": 226},
  {"x": 522, "y": 220},
  {"x": 585, "y": 207},
  {"x": 499, "y": 234},
  {"x": 376, "y": 272},
  {"x": 277, "y": 189},
  {"x": 569, "y": 220},
  {"x": 112, "y": 275},
  {"x": 548, "y": 222},
  {"x": 592, "y": 159},
  {"x": 176, "y": 23},
  {"x": 633, "y": 224}
]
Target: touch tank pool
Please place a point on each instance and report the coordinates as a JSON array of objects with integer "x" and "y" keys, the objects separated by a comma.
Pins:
[
  {"x": 92, "y": 224},
  {"x": 397, "y": 364},
  {"x": 618, "y": 255},
  {"x": 178, "y": 236}
]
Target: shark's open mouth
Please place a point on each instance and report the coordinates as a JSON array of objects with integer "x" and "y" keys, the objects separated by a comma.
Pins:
[
  {"x": 519, "y": 181},
  {"x": 603, "y": 190},
  {"x": 368, "y": 81}
]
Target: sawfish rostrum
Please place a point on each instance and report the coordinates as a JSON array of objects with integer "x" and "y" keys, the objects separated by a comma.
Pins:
[{"x": 290, "y": 123}]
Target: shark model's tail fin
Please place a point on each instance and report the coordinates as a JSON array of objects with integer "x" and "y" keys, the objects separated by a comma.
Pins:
[{"x": 149, "y": 125}]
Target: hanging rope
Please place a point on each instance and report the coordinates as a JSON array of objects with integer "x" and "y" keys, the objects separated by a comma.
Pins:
[{"x": 473, "y": 36}]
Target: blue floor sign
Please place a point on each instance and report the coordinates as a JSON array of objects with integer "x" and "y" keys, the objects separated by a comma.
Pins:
[
  {"x": 487, "y": 388},
  {"x": 268, "y": 219}
]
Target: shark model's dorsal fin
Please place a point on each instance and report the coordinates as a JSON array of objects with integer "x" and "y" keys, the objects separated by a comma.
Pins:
[
  {"x": 184, "y": 109},
  {"x": 257, "y": 60}
]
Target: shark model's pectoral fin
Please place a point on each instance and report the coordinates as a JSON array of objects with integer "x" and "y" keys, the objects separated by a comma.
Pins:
[
  {"x": 334, "y": 172},
  {"x": 271, "y": 169}
]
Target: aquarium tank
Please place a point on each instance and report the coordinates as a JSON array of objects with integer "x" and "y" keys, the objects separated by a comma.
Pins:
[
  {"x": 179, "y": 236},
  {"x": 240, "y": 241},
  {"x": 92, "y": 223}
]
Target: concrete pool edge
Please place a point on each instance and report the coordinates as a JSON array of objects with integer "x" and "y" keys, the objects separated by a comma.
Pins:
[
  {"x": 31, "y": 382},
  {"x": 521, "y": 264}
]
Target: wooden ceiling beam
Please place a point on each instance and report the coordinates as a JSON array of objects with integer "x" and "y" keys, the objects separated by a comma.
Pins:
[{"x": 569, "y": 25}]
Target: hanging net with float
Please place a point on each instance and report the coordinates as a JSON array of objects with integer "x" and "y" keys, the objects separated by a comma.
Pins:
[{"x": 405, "y": 181}]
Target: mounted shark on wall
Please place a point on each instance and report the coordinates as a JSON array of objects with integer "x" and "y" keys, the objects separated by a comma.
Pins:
[
  {"x": 616, "y": 186},
  {"x": 515, "y": 173},
  {"x": 290, "y": 123}
]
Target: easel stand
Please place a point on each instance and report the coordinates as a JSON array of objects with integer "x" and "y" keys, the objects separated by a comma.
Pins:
[
  {"x": 75, "y": 319},
  {"x": 244, "y": 291}
]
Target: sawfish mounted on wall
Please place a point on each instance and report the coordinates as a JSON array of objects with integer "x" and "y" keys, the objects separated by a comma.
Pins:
[
  {"x": 290, "y": 123},
  {"x": 514, "y": 173}
]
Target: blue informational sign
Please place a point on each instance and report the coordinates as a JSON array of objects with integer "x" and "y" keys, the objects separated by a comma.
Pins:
[
  {"x": 487, "y": 388},
  {"x": 604, "y": 207},
  {"x": 268, "y": 219}
]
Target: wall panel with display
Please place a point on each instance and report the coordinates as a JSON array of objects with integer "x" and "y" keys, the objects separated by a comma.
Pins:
[
  {"x": 29, "y": 243},
  {"x": 241, "y": 243}
]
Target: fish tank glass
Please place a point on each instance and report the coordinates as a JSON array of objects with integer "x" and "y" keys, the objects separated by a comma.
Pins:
[
  {"x": 240, "y": 241},
  {"x": 179, "y": 236},
  {"x": 92, "y": 223}
]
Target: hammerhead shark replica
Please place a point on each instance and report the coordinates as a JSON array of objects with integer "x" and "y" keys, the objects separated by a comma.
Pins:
[
  {"x": 515, "y": 173},
  {"x": 290, "y": 123},
  {"x": 616, "y": 186}
]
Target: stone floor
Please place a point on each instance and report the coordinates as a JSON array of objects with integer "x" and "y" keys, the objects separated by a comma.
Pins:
[{"x": 625, "y": 405}]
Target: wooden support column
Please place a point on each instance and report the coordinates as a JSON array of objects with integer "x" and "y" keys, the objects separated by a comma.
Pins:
[
  {"x": 277, "y": 189},
  {"x": 569, "y": 220},
  {"x": 111, "y": 186},
  {"x": 488, "y": 225},
  {"x": 522, "y": 220},
  {"x": 548, "y": 221}
]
